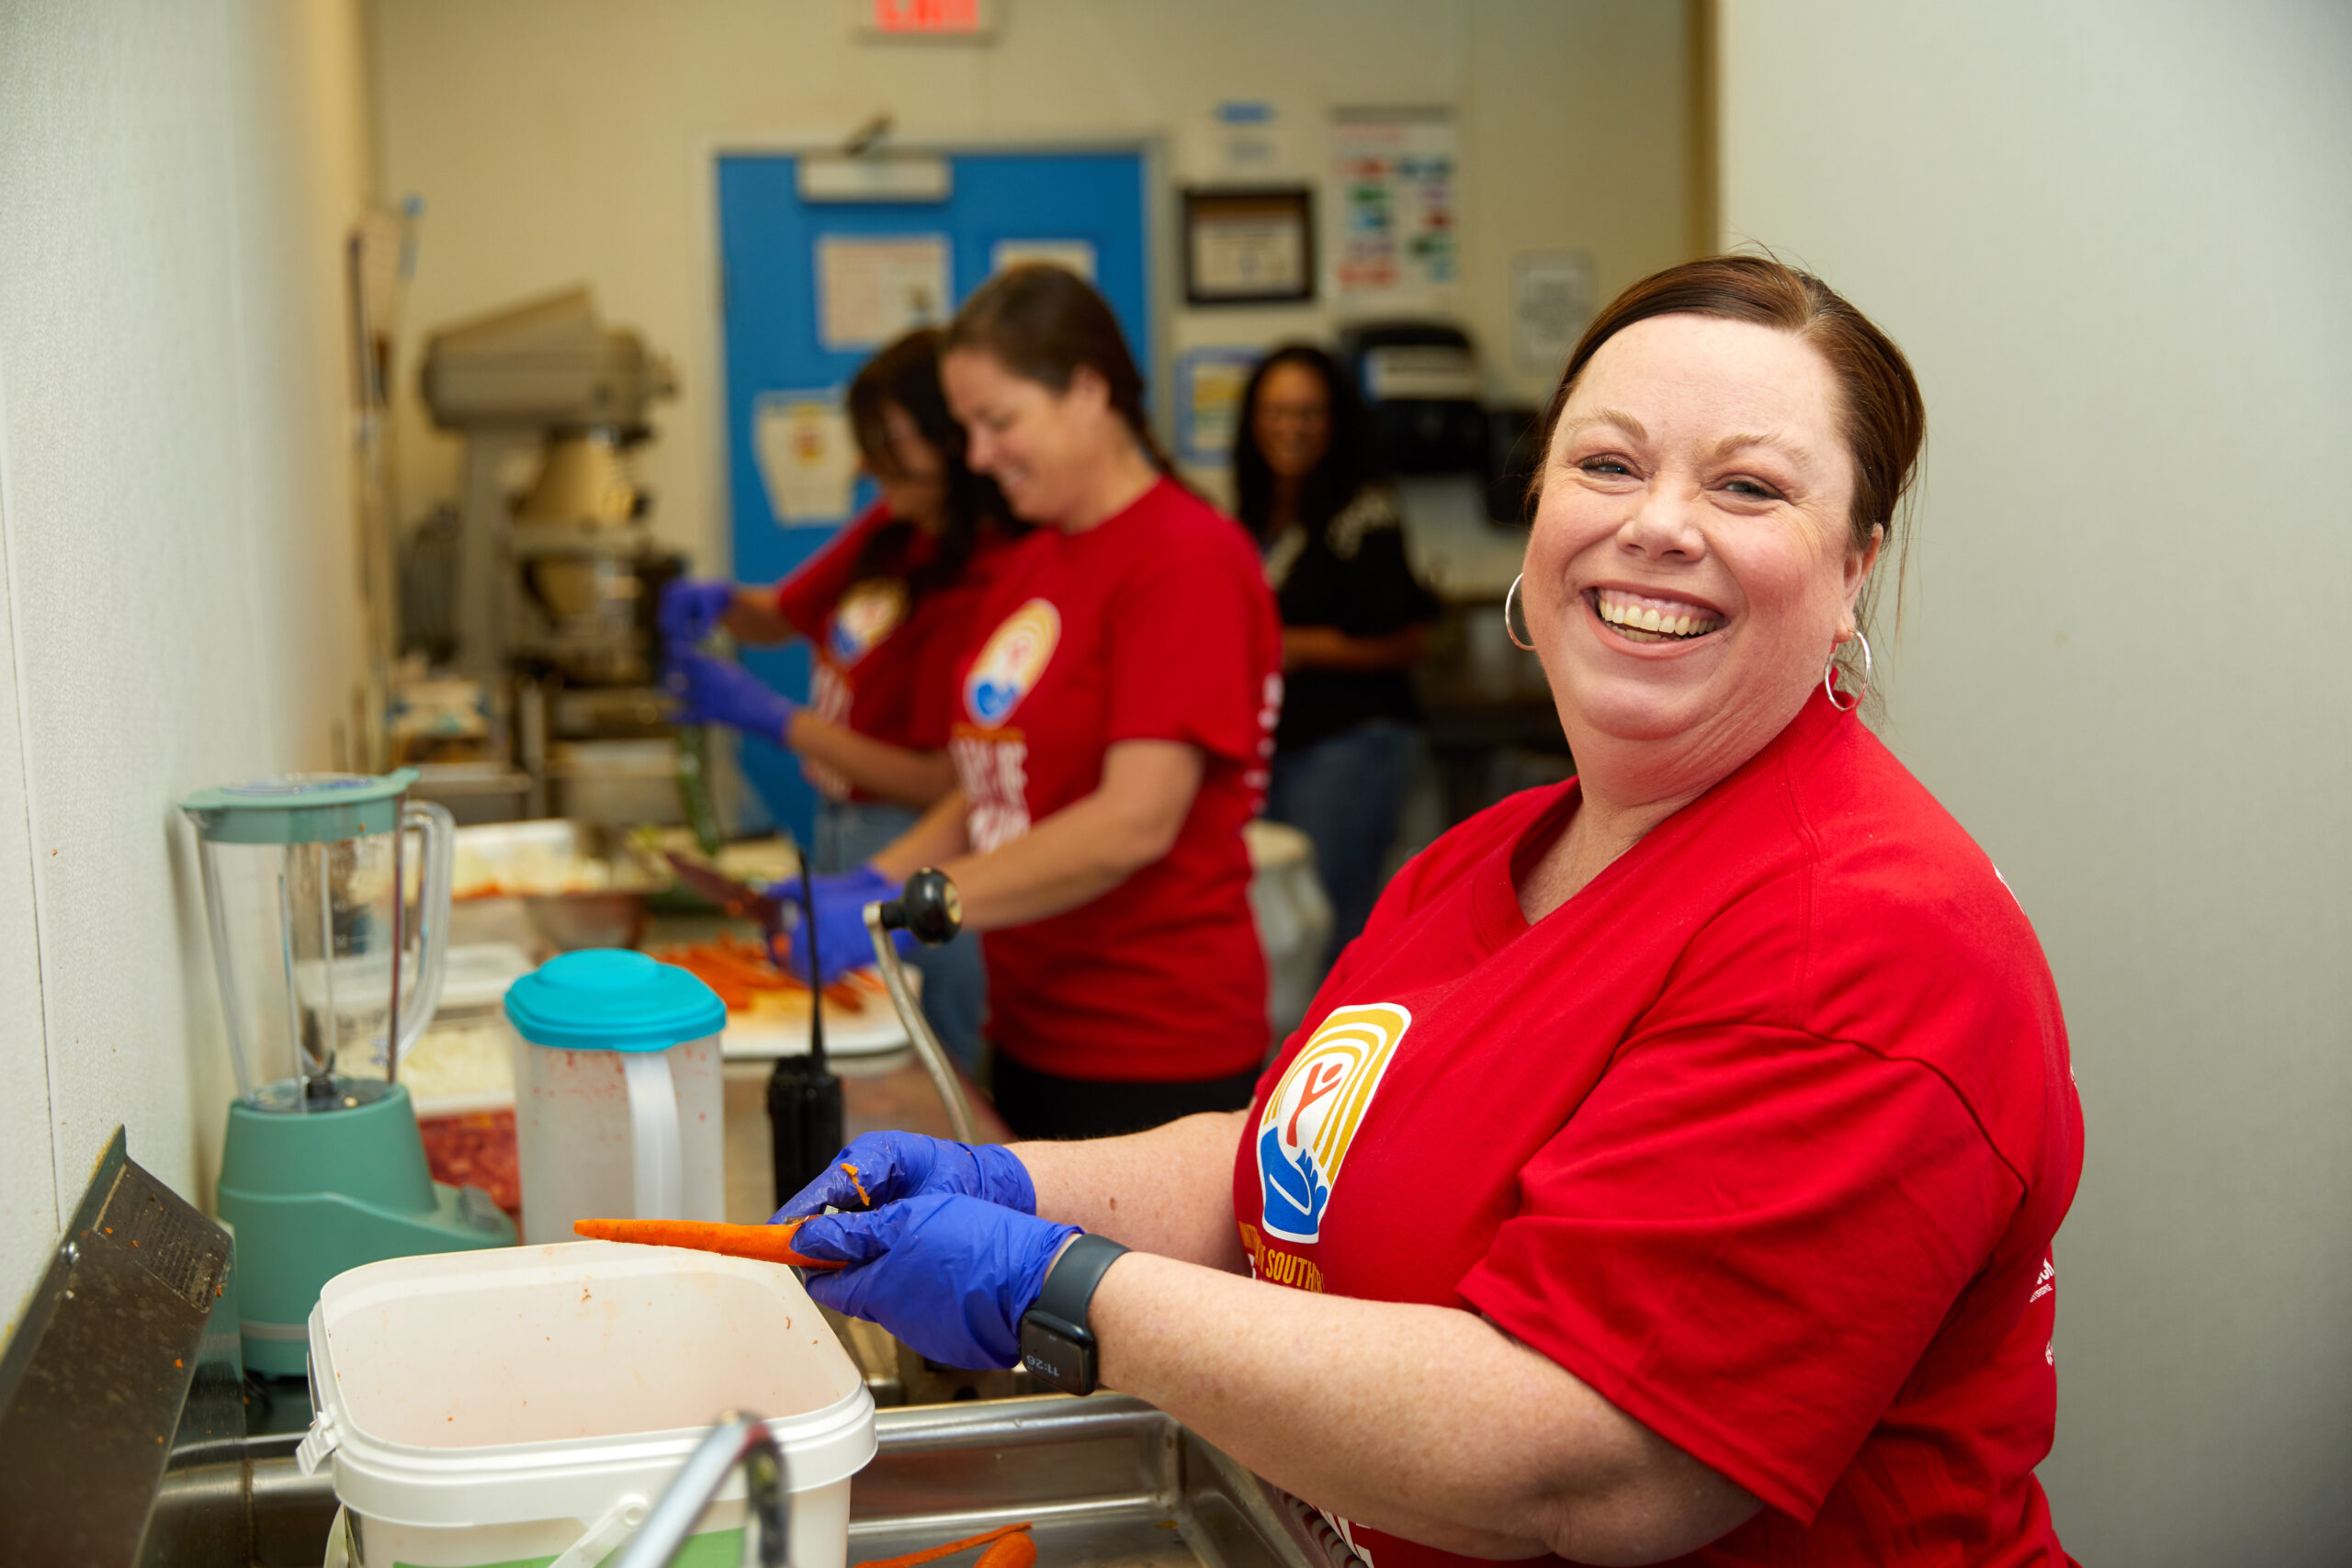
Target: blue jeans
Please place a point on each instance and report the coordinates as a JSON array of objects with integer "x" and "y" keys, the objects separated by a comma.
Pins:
[
  {"x": 954, "y": 987},
  {"x": 1345, "y": 794}
]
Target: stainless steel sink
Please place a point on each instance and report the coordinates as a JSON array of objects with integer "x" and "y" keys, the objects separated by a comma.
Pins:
[{"x": 1106, "y": 1480}]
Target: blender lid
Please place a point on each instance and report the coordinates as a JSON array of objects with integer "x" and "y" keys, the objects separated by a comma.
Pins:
[
  {"x": 300, "y": 808},
  {"x": 604, "y": 999}
]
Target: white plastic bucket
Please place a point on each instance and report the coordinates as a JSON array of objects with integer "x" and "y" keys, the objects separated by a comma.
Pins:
[{"x": 497, "y": 1407}]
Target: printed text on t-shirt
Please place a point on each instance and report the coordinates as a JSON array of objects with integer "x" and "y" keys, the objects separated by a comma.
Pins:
[{"x": 992, "y": 766}]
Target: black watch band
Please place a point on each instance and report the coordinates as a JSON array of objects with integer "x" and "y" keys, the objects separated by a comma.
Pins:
[{"x": 1057, "y": 1345}]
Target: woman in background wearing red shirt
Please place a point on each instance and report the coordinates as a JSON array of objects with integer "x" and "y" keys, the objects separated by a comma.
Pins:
[
  {"x": 885, "y": 607},
  {"x": 1114, "y": 714},
  {"x": 1669, "y": 1170}
]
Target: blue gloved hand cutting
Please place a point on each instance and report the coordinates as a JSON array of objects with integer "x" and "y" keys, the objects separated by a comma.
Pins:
[
  {"x": 886, "y": 1167},
  {"x": 949, "y": 1274},
  {"x": 717, "y": 691},
  {"x": 691, "y": 611},
  {"x": 843, "y": 943}
]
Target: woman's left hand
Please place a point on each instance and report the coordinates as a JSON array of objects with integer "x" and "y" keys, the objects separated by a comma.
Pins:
[
  {"x": 950, "y": 1275},
  {"x": 717, "y": 691}
]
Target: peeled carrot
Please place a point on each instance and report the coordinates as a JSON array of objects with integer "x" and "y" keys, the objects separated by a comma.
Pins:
[
  {"x": 768, "y": 1244},
  {"x": 915, "y": 1559},
  {"x": 1012, "y": 1551}
]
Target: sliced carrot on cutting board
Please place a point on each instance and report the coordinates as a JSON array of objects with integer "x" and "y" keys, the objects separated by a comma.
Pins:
[
  {"x": 1004, "y": 1538},
  {"x": 768, "y": 1244}
]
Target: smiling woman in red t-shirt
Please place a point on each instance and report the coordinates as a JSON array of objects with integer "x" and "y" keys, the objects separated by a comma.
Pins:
[
  {"x": 1669, "y": 1170},
  {"x": 1112, "y": 717}
]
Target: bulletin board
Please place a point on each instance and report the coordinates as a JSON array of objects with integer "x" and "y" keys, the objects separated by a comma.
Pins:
[{"x": 809, "y": 289}]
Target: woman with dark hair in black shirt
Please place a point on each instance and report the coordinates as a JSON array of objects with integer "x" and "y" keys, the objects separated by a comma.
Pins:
[{"x": 1306, "y": 483}]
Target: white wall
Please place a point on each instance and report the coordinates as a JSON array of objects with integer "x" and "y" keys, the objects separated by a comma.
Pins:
[
  {"x": 2112, "y": 238},
  {"x": 177, "y": 576},
  {"x": 555, "y": 140}
]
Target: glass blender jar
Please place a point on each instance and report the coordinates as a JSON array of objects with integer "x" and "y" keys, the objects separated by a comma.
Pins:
[{"x": 328, "y": 942}]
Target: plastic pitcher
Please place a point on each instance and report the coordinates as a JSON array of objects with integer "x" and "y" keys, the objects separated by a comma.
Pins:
[{"x": 619, "y": 1106}]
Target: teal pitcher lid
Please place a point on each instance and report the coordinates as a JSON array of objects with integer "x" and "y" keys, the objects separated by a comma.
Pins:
[
  {"x": 607, "y": 999},
  {"x": 300, "y": 808}
]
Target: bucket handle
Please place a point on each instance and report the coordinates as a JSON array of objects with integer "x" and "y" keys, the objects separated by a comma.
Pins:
[
  {"x": 617, "y": 1523},
  {"x": 317, "y": 1445},
  {"x": 657, "y": 1162}
]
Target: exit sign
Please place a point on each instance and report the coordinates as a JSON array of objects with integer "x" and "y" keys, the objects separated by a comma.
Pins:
[{"x": 966, "y": 19}]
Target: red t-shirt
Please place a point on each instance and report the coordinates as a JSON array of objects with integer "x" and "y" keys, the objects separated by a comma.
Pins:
[
  {"x": 1155, "y": 624},
  {"x": 1763, "y": 1135},
  {"x": 880, "y": 669}
]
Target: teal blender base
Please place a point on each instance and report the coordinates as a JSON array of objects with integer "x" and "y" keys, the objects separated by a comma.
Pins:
[{"x": 312, "y": 1195}]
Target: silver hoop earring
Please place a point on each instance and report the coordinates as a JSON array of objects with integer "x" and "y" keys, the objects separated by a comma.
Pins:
[
  {"x": 1830, "y": 675},
  {"x": 1509, "y": 630}
]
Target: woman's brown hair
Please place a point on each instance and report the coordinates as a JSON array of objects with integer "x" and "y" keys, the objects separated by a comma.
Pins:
[
  {"x": 1043, "y": 323},
  {"x": 1884, "y": 419},
  {"x": 905, "y": 375}
]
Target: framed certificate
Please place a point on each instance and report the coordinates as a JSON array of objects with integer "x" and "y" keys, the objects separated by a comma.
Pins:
[{"x": 1249, "y": 246}]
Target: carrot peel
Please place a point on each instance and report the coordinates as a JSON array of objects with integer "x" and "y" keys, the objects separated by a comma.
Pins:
[
  {"x": 1013, "y": 1551},
  {"x": 768, "y": 1244},
  {"x": 932, "y": 1554}
]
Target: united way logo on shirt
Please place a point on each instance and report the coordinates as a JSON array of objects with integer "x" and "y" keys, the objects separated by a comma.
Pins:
[
  {"x": 865, "y": 614},
  {"x": 1010, "y": 662},
  {"x": 1312, "y": 1117}
]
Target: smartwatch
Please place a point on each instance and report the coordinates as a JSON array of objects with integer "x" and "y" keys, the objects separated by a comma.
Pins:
[{"x": 1056, "y": 1343}]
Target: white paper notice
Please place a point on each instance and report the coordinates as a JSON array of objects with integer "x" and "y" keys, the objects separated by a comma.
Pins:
[
  {"x": 808, "y": 456},
  {"x": 1551, "y": 303},
  {"x": 1071, "y": 255},
  {"x": 871, "y": 289},
  {"x": 1249, "y": 254}
]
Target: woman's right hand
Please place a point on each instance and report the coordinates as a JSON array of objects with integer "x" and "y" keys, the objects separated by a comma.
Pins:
[
  {"x": 883, "y": 1167},
  {"x": 692, "y": 610}
]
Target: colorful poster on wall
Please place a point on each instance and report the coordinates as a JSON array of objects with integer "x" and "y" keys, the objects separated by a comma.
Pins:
[
  {"x": 871, "y": 289},
  {"x": 808, "y": 457},
  {"x": 1396, "y": 227},
  {"x": 1209, "y": 383}
]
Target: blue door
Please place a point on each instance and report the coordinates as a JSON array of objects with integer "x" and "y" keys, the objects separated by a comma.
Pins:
[{"x": 791, "y": 345}]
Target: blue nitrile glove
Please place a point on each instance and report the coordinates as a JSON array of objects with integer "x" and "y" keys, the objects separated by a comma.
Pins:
[
  {"x": 950, "y": 1275},
  {"x": 843, "y": 943},
  {"x": 691, "y": 611},
  {"x": 717, "y": 691},
  {"x": 884, "y": 1167}
]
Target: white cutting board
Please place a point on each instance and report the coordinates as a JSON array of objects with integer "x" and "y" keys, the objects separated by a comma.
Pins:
[{"x": 869, "y": 1041}]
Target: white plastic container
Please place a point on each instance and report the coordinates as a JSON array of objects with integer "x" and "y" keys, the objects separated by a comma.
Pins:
[
  {"x": 619, "y": 1104},
  {"x": 485, "y": 1408}
]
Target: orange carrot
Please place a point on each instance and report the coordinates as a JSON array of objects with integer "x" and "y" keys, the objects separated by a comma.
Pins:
[
  {"x": 851, "y": 1171},
  {"x": 768, "y": 1244},
  {"x": 915, "y": 1559},
  {"x": 738, "y": 970},
  {"x": 1012, "y": 1551}
]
